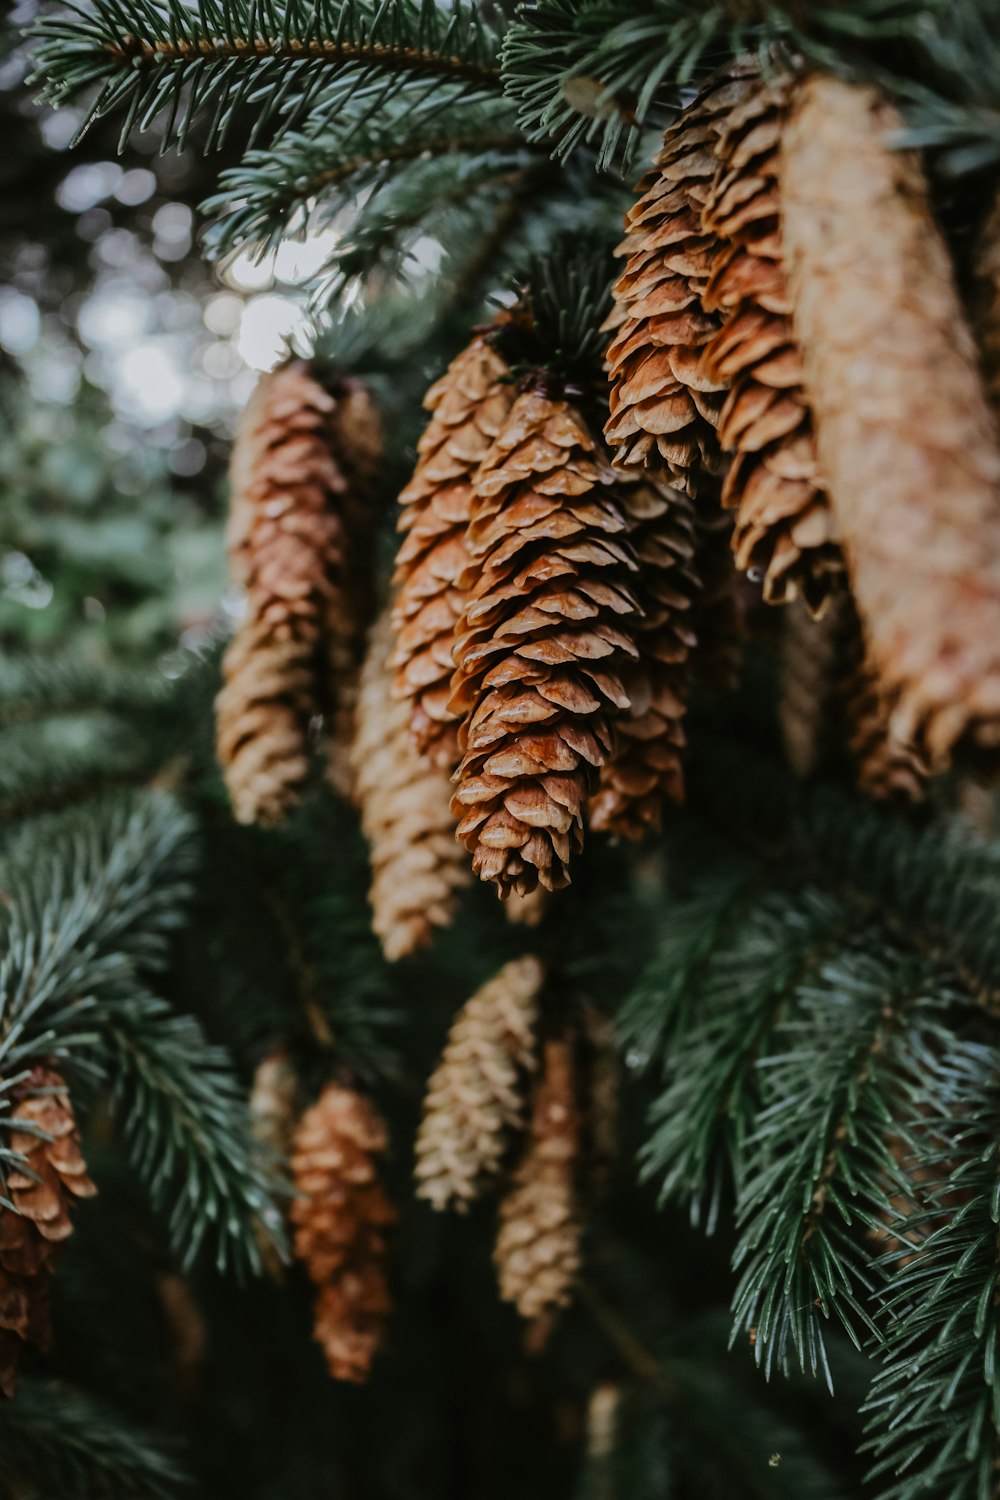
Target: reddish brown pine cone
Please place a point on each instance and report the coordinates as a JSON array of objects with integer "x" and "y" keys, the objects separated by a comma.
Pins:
[
  {"x": 907, "y": 441},
  {"x": 538, "y": 1244},
  {"x": 469, "y": 405},
  {"x": 547, "y": 628},
  {"x": 784, "y": 526},
  {"x": 42, "y": 1192},
  {"x": 340, "y": 1215},
  {"x": 646, "y": 769},
  {"x": 664, "y": 407},
  {"x": 298, "y": 539}
]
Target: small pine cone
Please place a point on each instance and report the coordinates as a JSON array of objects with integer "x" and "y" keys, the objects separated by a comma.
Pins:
[
  {"x": 42, "y": 1192},
  {"x": 417, "y": 866},
  {"x": 907, "y": 443},
  {"x": 538, "y": 1243},
  {"x": 646, "y": 769},
  {"x": 664, "y": 407},
  {"x": 529, "y": 910},
  {"x": 986, "y": 307},
  {"x": 273, "y": 1102},
  {"x": 539, "y": 653},
  {"x": 784, "y": 526},
  {"x": 298, "y": 540},
  {"x": 469, "y": 405},
  {"x": 474, "y": 1098},
  {"x": 340, "y": 1216}
]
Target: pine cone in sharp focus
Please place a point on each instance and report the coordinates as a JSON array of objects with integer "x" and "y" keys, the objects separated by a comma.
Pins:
[
  {"x": 469, "y": 405},
  {"x": 548, "y": 625},
  {"x": 664, "y": 406},
  {"x": 538, "y": 1243},
  {"x": 475, "y": 1097},
  {"x": 418, "y": 867},
  {"x": 42, "y": 1192},
  {"x": 784, "y": 525},
  {"x": 646, "y": 768},
  {"x": 298, "y": 542},
  {"x": 906, "y": 439},
  {"x": 341, "y": 1214}
]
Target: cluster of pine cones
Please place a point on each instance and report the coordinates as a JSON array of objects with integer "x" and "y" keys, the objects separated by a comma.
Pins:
[{"x": 517, "y": 1100}]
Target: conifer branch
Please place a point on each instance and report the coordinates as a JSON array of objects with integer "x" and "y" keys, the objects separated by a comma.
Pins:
[{"x": 281, "y": 63}]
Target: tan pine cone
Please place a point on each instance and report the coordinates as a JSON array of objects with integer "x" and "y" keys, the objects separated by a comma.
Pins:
[
  {"x": 340, "y": 1216},
  {"x": 546, "y": 629},
  {"x": 907, "y": 443},
  {"x": 418, "y": 868},
  {"x": 784, "y": 526},
  {"x": 986, "y": 306},
  {"x": 664, "y": 407},
  {"x": 529, "y": 910},
  {"x": 646, "y": 769},
  {"x": 298, "y": 541},
  {"x": 538, "y": 1244},
  {"x": 475, "y": 1096},
  {"x": 830, "y": 695},
  {"x": 42, "y": 1192},
  {"x": 468, "y": 405}
]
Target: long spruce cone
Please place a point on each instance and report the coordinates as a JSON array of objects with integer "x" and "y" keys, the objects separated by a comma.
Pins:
[
  {"x": 538, "y": 1244},
  {"x": 664, "y": 407},
  {"x": 42, "y": 1192},
  {"x": 417, "y": 866},
  {"x": 468, "y": 405},
  {"x": 547, "y": 627},
  {"x": 784, "y": 526},
  {"x": 646, "y": 770},
  {"x": 298, "y": 542},
  {"x": 907, "y": 443},
  {"x": 475, "y": 1097},
  {"x": 341, "y": 1215}
]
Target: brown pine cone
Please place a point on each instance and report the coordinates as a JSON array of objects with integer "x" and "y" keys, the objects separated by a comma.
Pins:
[
  {"x": 469, "y": 405},
  {"x": 646, "y": 768},
  {"x": 887, "y": 768},
  {"x": 986, "y": 307},
  {"x": 298, "y": 539},
  {"x": 529, "y": 910},
  {"x": 907, "y": 443},
  {"x": 664, "y": 407},
  {"x": 340, "y": 1215},
  {"x": 42, "y": 1192},
  {"x": 418, "y": 868},
  {"x": 538, "y": 1244},
  {"x": 546, "y": 629},
  {"x": 474, "y": 1098},
  {"x": 784, "y": 526}
]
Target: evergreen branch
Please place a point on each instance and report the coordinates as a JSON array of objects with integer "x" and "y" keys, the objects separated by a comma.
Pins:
[
  {"x": 312, "y": 178},
  {"x": 956, "y": 113},
  {"x": 188, "y": 1130},
  {"x": 594, "y": 73},
  {"x": 282, "y": 60},
  {"x": 934, "y": 1408},
  {"x": 707, "y": 1113},
  {"x": 820, "y": 1166},
  {"x": 35, "y": 686},
  {"x": 61, "y": 1442},
  {"x": 49, "y": 763}
]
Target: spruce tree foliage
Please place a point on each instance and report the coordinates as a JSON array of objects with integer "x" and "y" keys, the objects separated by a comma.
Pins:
[{"x": 805, "y": 987}]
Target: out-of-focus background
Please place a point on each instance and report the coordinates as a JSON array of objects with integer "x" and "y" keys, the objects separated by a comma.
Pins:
[{"x": 123, "y": 360}]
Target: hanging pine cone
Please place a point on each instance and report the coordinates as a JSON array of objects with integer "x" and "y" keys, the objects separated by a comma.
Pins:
[
  {"x": 298, "y": 545},
  {"x": 907, "y": 444},
  {"x": 475, "y": 1096},
  {"x": 646, "y": 769},
  {"x": 539, "y": 653},
  {"x": 529, "y": 910},
  {"x": 664, "y": 407},
  {"x": 42, "y": 1192},
  {"x": 987, "y": 302},
  {"x": 341, "y": 1214},
  {"x": 784, "y": 526},
  {"x": 417, "y": 865},
  {"x": 469, "y": 405},
  {"x": 887, "y": 768},
  {"x": 538, "y": 1243}
]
